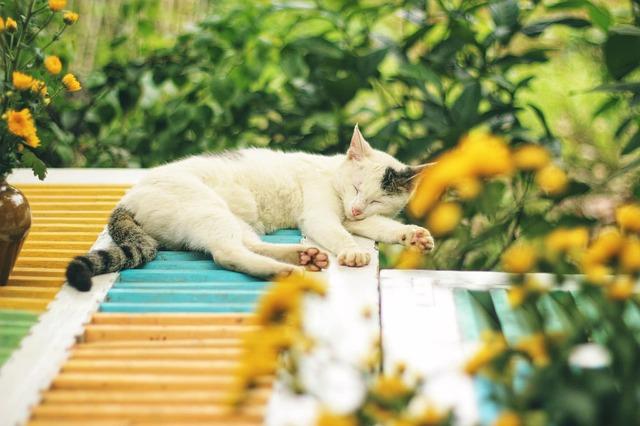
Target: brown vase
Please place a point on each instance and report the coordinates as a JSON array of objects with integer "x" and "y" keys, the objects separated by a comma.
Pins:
[{"x": 15, "y": 221}]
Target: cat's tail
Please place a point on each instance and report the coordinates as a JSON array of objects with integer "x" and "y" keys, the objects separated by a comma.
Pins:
[{"x": 132, "y": 247}]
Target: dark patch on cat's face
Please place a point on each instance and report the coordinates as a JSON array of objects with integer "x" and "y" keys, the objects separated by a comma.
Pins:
[{"x": 396, "y": 182}]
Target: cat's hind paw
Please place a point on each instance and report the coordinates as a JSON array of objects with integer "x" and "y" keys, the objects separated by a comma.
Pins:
[
  {"x": 418, "y": 237},
  {"x": 313, "y": 259},
  {"x": 354, "y": 257}
]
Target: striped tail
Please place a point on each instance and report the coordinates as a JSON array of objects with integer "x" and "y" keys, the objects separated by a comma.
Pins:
[{"x": 132, "y": 248}]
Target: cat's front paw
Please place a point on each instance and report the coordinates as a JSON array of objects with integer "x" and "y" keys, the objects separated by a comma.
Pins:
[
  {"x": 354, "y": 257},
  {"x": 417, "y": 237}
]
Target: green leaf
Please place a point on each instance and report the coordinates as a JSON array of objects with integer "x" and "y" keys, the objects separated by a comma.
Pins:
[
  {"x": 30, "y": 160},
  {"x": 537, "y": 28},
  {"x": 489, "y": 201},
  {"x": 505, "y": 13},
  {"x": 622, "y": 51},
  {"x": 542, "y": 119},
  {"x": 465, "y": 108},
  {"x": 633, "y": 144},
  {"x": 600, "y": 16}
]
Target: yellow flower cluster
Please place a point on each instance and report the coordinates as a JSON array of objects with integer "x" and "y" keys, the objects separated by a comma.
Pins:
[
  {"x": 614, "y": 250},
  {"x": 478, "y": 156},
  {"x": 21, "y": 124},
  {"x": 9, "y": 25},
  {"x": 279, "y": 317},
  {"x": 493, "y": 345},
  {"x": 567, "y": 240},
  {"x": 628, "y": 217}
]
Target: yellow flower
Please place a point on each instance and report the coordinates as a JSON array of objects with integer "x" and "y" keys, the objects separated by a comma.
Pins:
[
  {"x": 628, "y": 217},
  {"x": 604, "y": 247},
  {"x": 622, "y": 288},
  {"x": 21, "y": 124},
  {"x": 444, "y": 218},
  {"x": 552, "y": 179},
  {"x": 11, "y": 25},
  {"x": 508, "y": 418},
  {"x": 630, "y": 255},
  {"x": 519, "y": 258},
  {"x": 535, "y": 346},
  {"x": 71, "y": 83},
  {"x": 39, "y": 86},
  {"x": 390, "y": 388},
  {"x": 70, "y": 18},
  {"x": 304, "y": 283},
  {"x": 493, "y": 345},
  {"x": 597, "y": 274},
  {"x": 410, "y": 258},
  {"x": 281, "y": 304},
  {"x": 567, "y": 239},
  {"x": 468, "y": 188},
  {"x": 516, "y": 295},
  {"x": 490, "y": 154},
  {"x": 57, "y": 5},
  {"x": 326, "y": 418},
  {"x": 531, "y": 157},
  {"x": 53, "y": 64},
  {"x": 1, "y": 24},
  {"x": 430, "y": 416},
  {"x": 22, "y": 81}
]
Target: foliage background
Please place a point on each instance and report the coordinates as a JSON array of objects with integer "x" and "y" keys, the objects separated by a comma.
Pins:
[{"x": 169, "y": 78}]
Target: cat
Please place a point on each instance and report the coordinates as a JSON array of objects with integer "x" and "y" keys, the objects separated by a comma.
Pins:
[{"x": 221, "y": 204}]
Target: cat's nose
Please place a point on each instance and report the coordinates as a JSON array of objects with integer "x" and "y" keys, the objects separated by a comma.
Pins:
[{"x": 356, "y": 211}]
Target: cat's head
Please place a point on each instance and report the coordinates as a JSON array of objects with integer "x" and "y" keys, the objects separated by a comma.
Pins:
[{"x": 372, "y": 182}]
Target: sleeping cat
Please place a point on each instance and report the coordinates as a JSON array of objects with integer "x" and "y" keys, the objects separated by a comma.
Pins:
[{"x": 222, "y": 203}]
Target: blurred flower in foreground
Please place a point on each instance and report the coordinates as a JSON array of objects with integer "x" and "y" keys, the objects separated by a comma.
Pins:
[
  {"x": 444, "y": 218},
  {"x": 410, "y": 258},
  {"x": 531, "y": 157},
  {"x": 492, "y": 346},
  {"x": 22, "y": 81},
  {"x": 508, "y": 418},
  {"x": 478, "y": 155},
  {"x": 519, "y": 258},
  {"x": 552, "y": 179},
  {"x": 536, "y": 348},
  {"x": 326, "y": 418},
  {"x": 628, "y": 217}
]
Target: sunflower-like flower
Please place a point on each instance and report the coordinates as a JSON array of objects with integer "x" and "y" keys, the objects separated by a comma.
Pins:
[
  {"x": 70, "y": 18},
  {"x": 11, "y": 25},
  {"x": 22, "y": 81},
  {"x": 21, "y": 124},
  {"x": 53, "y": 64},
  {"x": 57, "y": 5},
  {"x": 71, "y": 82}
]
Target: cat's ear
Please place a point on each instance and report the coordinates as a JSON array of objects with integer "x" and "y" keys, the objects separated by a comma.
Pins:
[{"x": 359, "y": 147}]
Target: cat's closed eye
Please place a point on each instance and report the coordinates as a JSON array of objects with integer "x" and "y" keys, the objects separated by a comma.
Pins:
[
  {"x": 375, "y": 202},
  {"x": 356, "y": 188}
]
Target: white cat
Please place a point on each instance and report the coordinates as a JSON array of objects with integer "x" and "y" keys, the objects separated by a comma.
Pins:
[{"x": 222, "y": 203}]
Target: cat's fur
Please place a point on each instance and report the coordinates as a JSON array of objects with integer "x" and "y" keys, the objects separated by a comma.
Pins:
[{"x": 221, "y": 203}]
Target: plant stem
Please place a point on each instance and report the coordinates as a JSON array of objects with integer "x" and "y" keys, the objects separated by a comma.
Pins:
[{"x": 24, "y": 29}]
